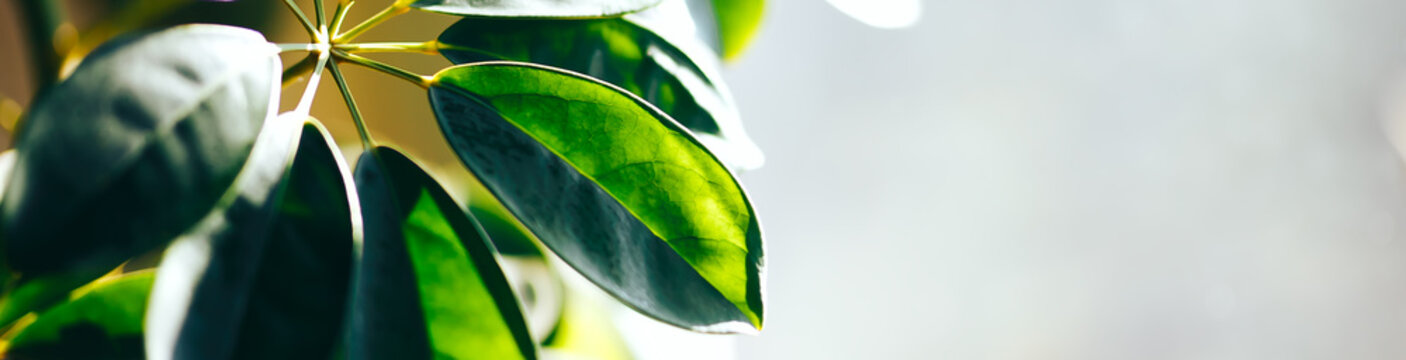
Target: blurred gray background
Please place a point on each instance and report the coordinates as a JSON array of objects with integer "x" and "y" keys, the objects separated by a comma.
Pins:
[{"x": 1081, "y": 179}]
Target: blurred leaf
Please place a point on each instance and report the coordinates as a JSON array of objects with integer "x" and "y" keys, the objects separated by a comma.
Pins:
[
  {"x": 586, "y": 332},
  {"x": 886, "y": 14},
  {"x": 129, "y": 15},
  {"x": 613, "y": 186},
  {"x": 10, "y": 114},
  {"x": 535, "y": 8},
  {"x": 140, "y": 15},
  {"x": 7, "y": 167},
  {"x": 504, "y": 232},
  {"x": 34, "y": 294},
  {"x": 103, "y": 321},
  {"x": 427, "y": 282},
  {"x": 132, "y": 149},
  {"x": 621, "y": 52},
  {"x": 538, "y": 287},
  {"x": 266, "y": 276},
  {"x": 738, "y": 21},
  {"x": 539, "y": 290}
]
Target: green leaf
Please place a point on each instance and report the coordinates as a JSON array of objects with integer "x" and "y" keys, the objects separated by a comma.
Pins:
[
  {"x": 586, "y": 330},
  {"x": 535, "y": 8},
  {"x": 524, "y": 264},
  {"x": 507, "y": 237},
  {"x": 265, "y": 276},
  {"x": 102, "y": 321},
  {"x": 133, "y": 148},
  {"x": 738, "y": 21},
  {"x": 613, "y": 186},
  {"x": 682, "y": 83},
  {"x": 427, "y": 283}
]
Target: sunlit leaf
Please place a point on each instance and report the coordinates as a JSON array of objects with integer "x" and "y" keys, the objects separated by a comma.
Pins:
[
  {"x": 265, "y": 276},
  {"x": 535, "y": 8},
  {"x": 104, "y": 321},
  {"x": 132, "y": 149},
  {"x": 427, "y": 283},
  {"x": 623, "y": 194},
  {"x": 738, "y": 21},
  {"x": 680, "y": 80}
]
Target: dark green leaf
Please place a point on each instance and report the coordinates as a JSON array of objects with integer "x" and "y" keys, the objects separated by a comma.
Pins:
[
  {"x": 427, "y": 283},
  {"x": 266, "y": 276},
  {"x": 535, "y": 8},
  {"x": 103, "y": 321},
  {"x": 624, "y": 53},
  {"x": 507, "y": 237},
  {"x": 609, "y": 183},
  {"x": 134, "y": 148}
]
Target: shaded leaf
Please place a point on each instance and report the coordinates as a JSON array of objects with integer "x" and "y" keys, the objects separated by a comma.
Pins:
[
  {"x": 102, "y": 321},
  {"x": 612, "y": 186},
  {"x": 123, "y": 16},
  {"x": 133, "y": 148},
  {"x": 507, "y": 237},
  {"x": 265, "y": 276},
  {"x": 427, "y": 284},
  {"x": 535, "y": 8},
  {"x": 624, "y": 53}
]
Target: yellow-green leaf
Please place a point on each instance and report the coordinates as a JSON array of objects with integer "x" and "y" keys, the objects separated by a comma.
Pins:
[{"x": 612, "y": 185}]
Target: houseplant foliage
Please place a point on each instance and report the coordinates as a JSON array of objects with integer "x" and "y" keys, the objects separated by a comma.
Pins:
[{"x": 601, "y": 126}]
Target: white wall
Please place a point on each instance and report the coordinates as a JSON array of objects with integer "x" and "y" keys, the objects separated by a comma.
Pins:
[{"x": 1081, "y": 179}]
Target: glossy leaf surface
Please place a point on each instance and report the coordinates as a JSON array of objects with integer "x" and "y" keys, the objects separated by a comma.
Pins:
[
  {"x": 134, "y": 147},
  {"x": 104, "y": 321},
  {"x": 427, "y": 284},
  {"x": 623, "y": 53},
  {"x": 266, "y": 276},
  {"x": 610, "y": 184},
  {"x": 535, "y": 8}
]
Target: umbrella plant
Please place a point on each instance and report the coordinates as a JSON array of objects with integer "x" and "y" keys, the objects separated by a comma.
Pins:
[{"x": 601, "y": 126}]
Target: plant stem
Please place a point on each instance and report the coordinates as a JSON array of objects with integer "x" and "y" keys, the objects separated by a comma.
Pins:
[
  {"x": 366, "y": 142},
  {"x": 342, "y": 8},
  {"x": 321, "y": 14},
  {"x": 417, "y": 79},
  {"x": 44, "y": 19},
  {"x": 302, "y": 18},
  {"x": 429, "y": 47},
  {"x": 397, "y": 8},
  {"x": 310, "y": 92},
  {"x": 296, "y": 47}
]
